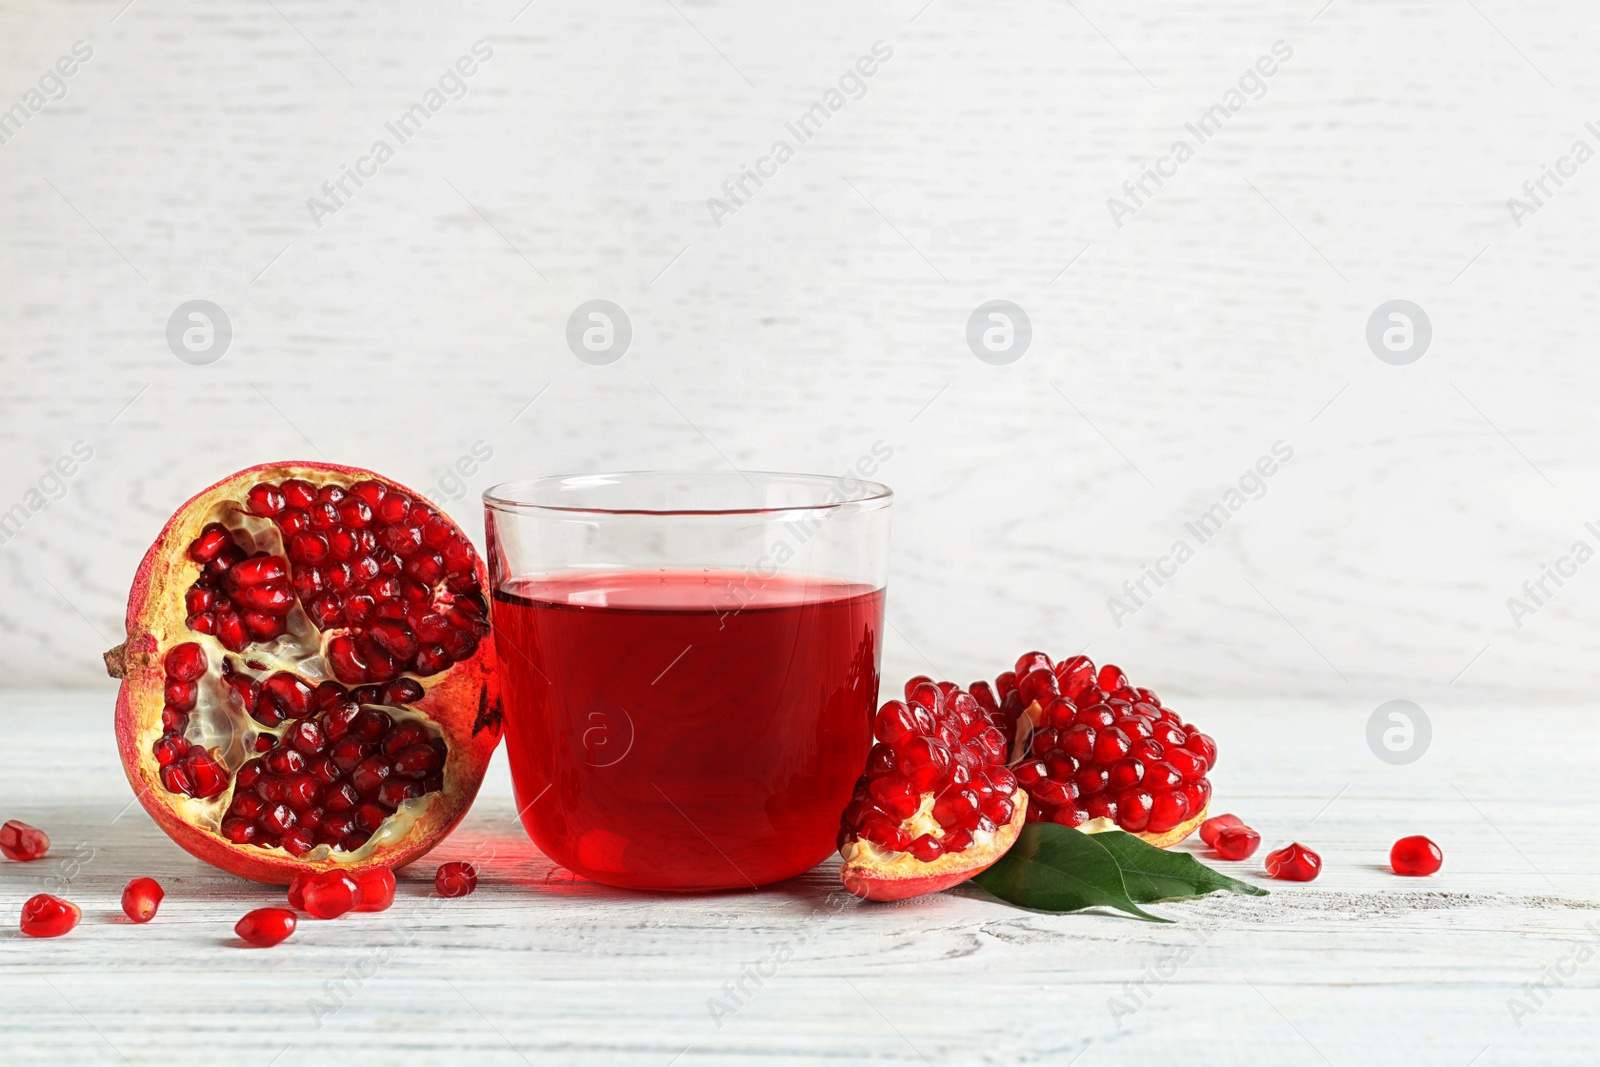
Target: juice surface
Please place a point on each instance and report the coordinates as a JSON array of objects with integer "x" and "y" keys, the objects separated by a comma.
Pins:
[{"x": 686, "y": 729}]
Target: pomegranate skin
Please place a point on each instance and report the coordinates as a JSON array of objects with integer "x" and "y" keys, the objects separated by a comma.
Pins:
[{"x": 463, "y": 700}]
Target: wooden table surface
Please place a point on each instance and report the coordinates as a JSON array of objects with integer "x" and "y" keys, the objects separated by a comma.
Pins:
[{"x": 1359, "y": 967}]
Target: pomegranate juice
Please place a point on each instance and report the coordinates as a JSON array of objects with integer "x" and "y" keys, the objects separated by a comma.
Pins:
[{"x": 686, "y": 730}]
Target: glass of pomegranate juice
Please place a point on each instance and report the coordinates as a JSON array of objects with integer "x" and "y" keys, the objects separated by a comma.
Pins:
[{"x": 689, "y": 667}]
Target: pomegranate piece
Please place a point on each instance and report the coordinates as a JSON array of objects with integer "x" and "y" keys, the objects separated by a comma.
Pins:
[
  {"x": 1212, "y": 827},
  {"x": 265, "y": 927},
  {"x": 377, "y": 889},
  {"x": 1415, "y": 856},
  {"x": 19, "y": 841},
  {"x": 1237, "y": 843},
  {"x": 938, "y": 803},
  {"x": 351, "y": 733},
  {"x": 1294, "y": 863},
  {"x": 141, "y": 898},
  {"x": 49, "y": 916},
  {"x": 329, "y": 894},
  {"x": 455, "y": 879},
  {"x": 1098, "y": 748}
]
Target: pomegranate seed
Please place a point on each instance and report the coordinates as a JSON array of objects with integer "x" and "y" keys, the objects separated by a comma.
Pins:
[
  {"x": 457, "y": 879},
  {"x": 185, "y": 662},
  {"x": 141, "y": 898},
  {"x": 266, "y": 500},
  {"x": 19, "y": 841},
  {"x": 926, "y": 848},
  {"x": 1212, "y": 827},
  {"x": 49, "y": 916},
  {"x": 1134, "y": 810},
  {"x": 1415, "y": 856},
  {"x": 1237, "y": 843},
  {"x": 377, "y": 888},
  {"x": 1295, "y": 863},
  {"x": 329, "y": 894},
  {"x": 266, "y": 927}
]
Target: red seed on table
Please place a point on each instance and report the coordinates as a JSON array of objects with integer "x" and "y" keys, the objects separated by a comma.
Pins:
[
  {"x": 48, "y": 916},
  {"x": 266, "y": 926},
  {"x": 1294, "y": 863},
  {"x": 377, "y": 888},
  {"x": 1237, "y": 843},
  {"x": 1415, "y": 856},
  {"x": 455, "y": 879},
  {"x": 1215, "y": 825},
  {"x": 141, "y": 899},
  {"x": 329, "y": 894},
  {"x": 19, "y": 841}
]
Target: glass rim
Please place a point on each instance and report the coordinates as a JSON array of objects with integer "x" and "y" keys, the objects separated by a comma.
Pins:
[{"x": 511, "y": 496}]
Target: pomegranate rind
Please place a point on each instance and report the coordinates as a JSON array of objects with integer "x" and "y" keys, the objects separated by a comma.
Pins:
[
  {"x": 903, "y": 876},
  {"x": 463, "y": 700}
]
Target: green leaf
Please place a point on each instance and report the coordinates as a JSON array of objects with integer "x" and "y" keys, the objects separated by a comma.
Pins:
[
  {"x": 1152, "y": 873},
  {"x": 1056, "y": 868},
  {"x": 1065, "y": 871}
]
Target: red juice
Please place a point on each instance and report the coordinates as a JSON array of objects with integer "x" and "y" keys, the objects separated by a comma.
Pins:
[{"x": 686, "y": 730}]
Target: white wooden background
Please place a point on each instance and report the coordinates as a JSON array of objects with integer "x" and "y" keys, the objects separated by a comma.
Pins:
[
  {"x": 826, "y": 315},
  {"x": 829, "y": 312}
]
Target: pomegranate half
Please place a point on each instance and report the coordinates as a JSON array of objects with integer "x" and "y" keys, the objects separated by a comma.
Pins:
[{"x": 308, "y": 679}]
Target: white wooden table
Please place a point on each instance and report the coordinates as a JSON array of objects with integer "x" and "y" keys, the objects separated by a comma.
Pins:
[{"x": 1360, "y": 967}]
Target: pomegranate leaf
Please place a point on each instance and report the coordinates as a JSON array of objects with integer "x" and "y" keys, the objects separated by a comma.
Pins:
[
  {"x": 1152, "y": 873},
  {"x": 1056, "y": 868},
  {"x": 1066, "y": 871}
]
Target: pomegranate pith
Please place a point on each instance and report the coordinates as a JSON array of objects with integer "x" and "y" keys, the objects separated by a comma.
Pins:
[
  {"x": 455, "y": 879},
  {"x": 308, "y": 680},
  {"x": 49, "y": 916},
  {"x": 1091, "y": 746},
  {"x": 265, "y": 927},
  {"x": 141, "y": 898},
  {"x": 1294, "y": 863},
  {"x": 19, "y": 841},
  {"x": 937, "y": 804},
  {"x": 1415, "y": 856}
]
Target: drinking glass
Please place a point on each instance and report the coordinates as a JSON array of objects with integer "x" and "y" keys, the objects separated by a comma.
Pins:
[{"x": 689, "y": 667}]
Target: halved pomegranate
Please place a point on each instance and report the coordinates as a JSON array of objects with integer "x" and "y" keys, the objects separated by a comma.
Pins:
[
  {"x": 1088, "y": 746},
  {"x": 937, "y": 804},
  {"x": 308, "y": 678}
]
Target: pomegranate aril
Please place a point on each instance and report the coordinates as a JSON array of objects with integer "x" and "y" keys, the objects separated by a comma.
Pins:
[
  {"x": 329, "y": 894},
  {"x": 1125, "y": 774},
  {"x": 1294, "y": 863},
  {"x": 926, "y": 848},
  {"x": 1053, "y": 793},
  {"x": 278, "y": 819},
  {"x": 266, "y": 927},
  {"x": 456, "y": 879},
  {"x": 957, "y": 808},
  {"x": 185, "y": 662},
  {"x": 369, "y": 817},
  {"x": 19, "y": 841},
  {"x": 369, "y": 774},
  {"x": 1159, "y": 777},
  {"x": 141, "y": 898},
  {"x": 377, "y": 888},
  {"x": 1167, "y": 810},
  {"x": 1415, "y": 856},
  {"x": 298, "y": 842},
  {"x": 895, "y": 795},
  {"x": 1213, "y": 827},
  {"x": 284, "y": 761},
  {"x": 214, "y": 537},
  {"x": 1101, "y": 806},
  {"x": 397, "y": 791},
  {"x": 1134, "y": 810},
  {"x": 45, "y": 915},
  {"x": 1237, "y": 842},
  {"x": 208, "y": 777}
]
